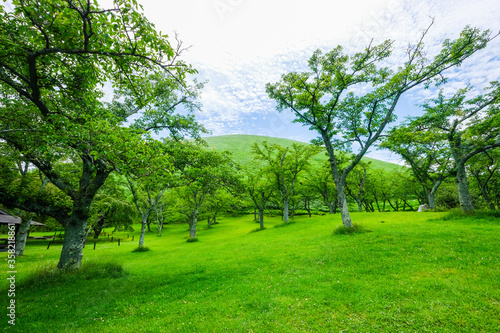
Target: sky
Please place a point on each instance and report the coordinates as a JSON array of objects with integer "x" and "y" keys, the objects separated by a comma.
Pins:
[{"x": 240, "y": 45}]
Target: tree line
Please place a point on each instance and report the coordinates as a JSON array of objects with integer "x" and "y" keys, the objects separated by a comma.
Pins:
[{"x": 64, "y": 143}]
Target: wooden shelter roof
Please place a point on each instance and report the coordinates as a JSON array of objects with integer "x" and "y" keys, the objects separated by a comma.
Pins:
[{"x": 6, "y": 218}]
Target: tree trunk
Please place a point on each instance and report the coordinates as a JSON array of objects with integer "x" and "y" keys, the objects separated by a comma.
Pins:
[
  {"x": 98, "y": 228},
  {"x": 285, "y": 210},
  {"x": 160, "y": 228},
  {"x": 344, "y": 209},
  {"x": 431, "y": 195},
  {"x": 209, "y": 222},
  {"x": 21, "y": 236},
  {"x": 144, "y": 223},
  {"x": 74, "y": 240},
  {"x": 261, "y": 217},
  {"x": 192, "y": 225},
  {"x": 360, "y": 205},
  {"x": 463, "y": 188},
  {"x": 307, "y": 206},
  {"x": 359, "y": 199}
]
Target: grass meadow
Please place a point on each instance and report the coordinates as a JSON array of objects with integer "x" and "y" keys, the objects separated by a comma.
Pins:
[{"x": 409, "y": 272}]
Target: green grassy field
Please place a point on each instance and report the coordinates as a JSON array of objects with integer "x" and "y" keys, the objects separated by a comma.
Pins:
[
  {"x": 414, "y": 272},
  {"x": 239, "y": 145}
]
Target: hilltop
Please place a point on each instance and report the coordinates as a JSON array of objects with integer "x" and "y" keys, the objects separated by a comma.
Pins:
[{"x": 239, "y": 145}]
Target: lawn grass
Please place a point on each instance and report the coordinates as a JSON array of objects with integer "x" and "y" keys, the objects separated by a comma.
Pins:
[{"x": 413, "y": 272}]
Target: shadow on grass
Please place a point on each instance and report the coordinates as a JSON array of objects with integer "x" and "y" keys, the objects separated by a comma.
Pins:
[
  {"x": 284, "y": 224},
  {"x": 257, "y": 229}
]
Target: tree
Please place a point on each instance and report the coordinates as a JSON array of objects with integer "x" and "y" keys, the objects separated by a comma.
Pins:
[
  {"x": 469, "y": 126},
  {"x": 485, "y": 168},
  {"x": 355, "y": 184},
  {"x": 324, "y": 98},
  {"x": 425, "y": 153},
  {"x": 322, "y": 181},
  {"x": 55, "y": 58},
  {"x": 203, "y": 173},
  {"x": 151, "y": 178},
  {"x": 285, "y": 165},
  {"x": 259, "y": 187}
]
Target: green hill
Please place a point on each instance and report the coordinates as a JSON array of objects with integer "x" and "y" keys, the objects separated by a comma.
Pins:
[{"x": 239, "y": 145}]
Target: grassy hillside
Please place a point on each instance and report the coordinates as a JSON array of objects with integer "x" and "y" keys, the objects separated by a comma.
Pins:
[
  {"x": 239, "y": 145},
  {"x": 414, "y": 272}
]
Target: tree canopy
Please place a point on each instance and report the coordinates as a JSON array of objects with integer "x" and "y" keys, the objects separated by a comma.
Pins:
[{"x": 57, "y": 57}]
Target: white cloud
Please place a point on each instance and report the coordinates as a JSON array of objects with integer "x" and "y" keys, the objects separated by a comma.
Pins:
[{"x": 240, "y": 45}]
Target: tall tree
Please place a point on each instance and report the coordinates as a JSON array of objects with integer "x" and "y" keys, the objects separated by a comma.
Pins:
[
  {"x": 285, "y": 164},
  {"x": 320, "y": 178},
  {"x": 426, "y": 154},
  {"x": 203, "y": 173},
  {"x": 325, "y": 100},
  {"x": 259, "y": 187},
  {"x": 485, "y": 168},
  {"x": 56, "y": 56},
  {"x": 468, "y": 126}
]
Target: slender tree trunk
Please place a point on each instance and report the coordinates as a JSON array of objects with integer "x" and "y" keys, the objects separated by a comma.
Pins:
[
  {"x": 98, "y": 228},
  {"x": 285, "y": 210},
  {"x": 22, "y": 236},
  {"x": 307, "y": 206},
  {"x": 144, "y": 223},
  {"x": 463, "y": 188},
  {"x": 360, "y": 205},
  {"x": 359, "y": 199},
  {"x": 431, "y": 195},
  {"x": 331, "y": 208},
  {"x": 261, "y": 217},
  {"x": 344, "y": 209},
  {"x": 160, "y": 228},
  {"x": 339, "y": 183}
]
